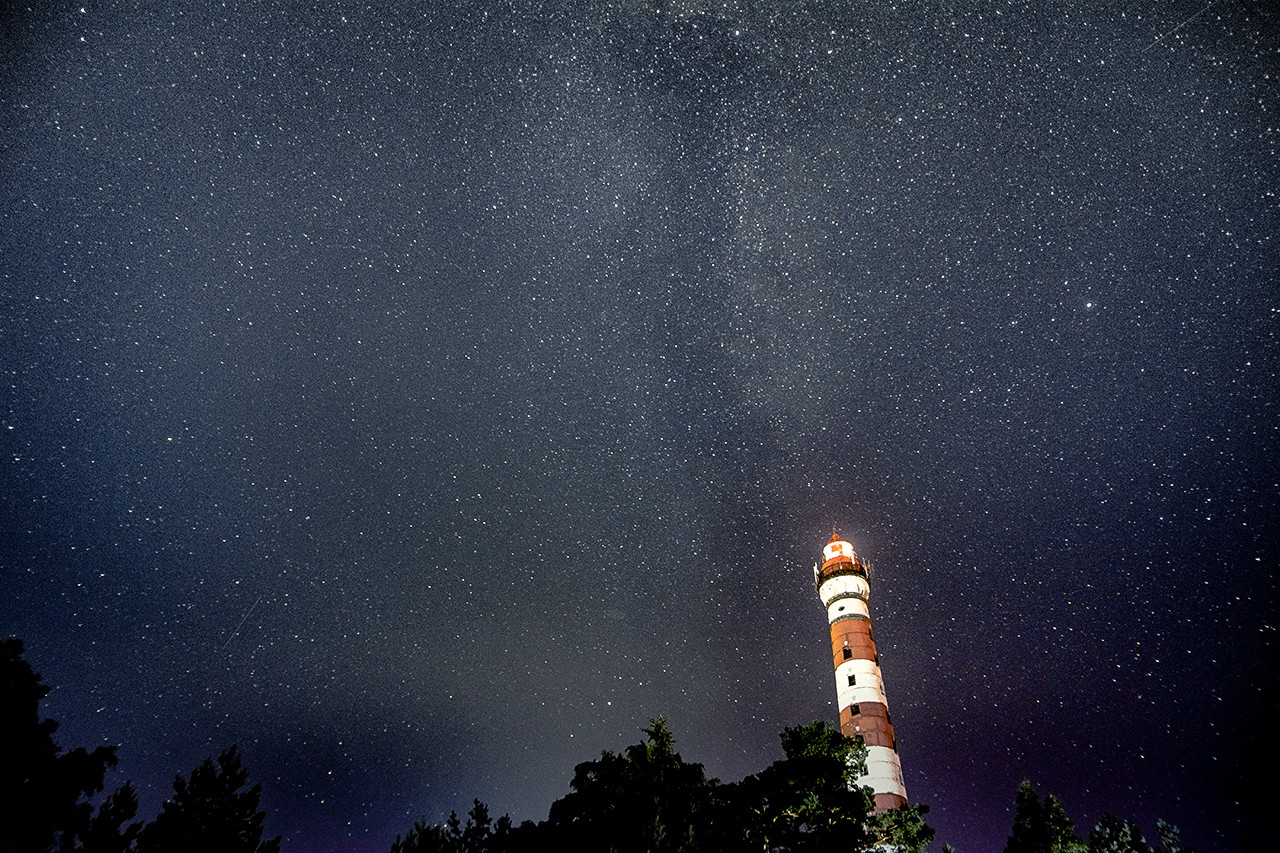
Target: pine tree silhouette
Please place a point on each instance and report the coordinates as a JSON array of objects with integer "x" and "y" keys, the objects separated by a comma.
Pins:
[
  {"x": 210, "y": 813},
  {"x": 44, "y": 792}
]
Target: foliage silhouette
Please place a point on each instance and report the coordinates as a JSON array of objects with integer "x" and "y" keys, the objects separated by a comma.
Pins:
[
  {"x": 478, "y": 835},
  {"x": 1114, "y": 835},
  {"x": 1171, "y": 838},
  {"x": 1041, "y": 827},
  {"x": 649, "y": 799},
  {"x": 807, "y": 800},
  {"x": 1045, "y": 828},
  {"x": 105, "y": 833},
  {"x": 45, "y": 793},
  {"x": 904, "y": 829},
  {"x": 210, "y": 813}
]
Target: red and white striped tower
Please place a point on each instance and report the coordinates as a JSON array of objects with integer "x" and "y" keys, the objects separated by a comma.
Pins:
[{"x": 864, "y": 711}]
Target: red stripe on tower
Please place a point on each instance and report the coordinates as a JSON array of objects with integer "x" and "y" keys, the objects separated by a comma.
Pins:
[{"x": 864, "y": 711}]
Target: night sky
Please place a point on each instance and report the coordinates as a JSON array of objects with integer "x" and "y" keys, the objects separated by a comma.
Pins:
[{"x": 424, "y": 398}]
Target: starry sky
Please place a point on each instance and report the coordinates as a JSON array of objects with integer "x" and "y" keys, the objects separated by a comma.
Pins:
[{"x": 423, "y": 396}]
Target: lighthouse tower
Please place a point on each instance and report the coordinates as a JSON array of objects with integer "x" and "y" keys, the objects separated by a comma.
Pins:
[{"x": 864, "y": 712}]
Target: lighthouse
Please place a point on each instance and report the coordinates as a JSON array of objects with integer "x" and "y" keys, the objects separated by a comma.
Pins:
[{"x": 864, "y": 712}]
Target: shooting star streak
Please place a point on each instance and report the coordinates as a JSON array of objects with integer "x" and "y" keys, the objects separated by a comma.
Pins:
[
  {"x": 242, "y": 621},
  {"x": 1180, "y": 26}
]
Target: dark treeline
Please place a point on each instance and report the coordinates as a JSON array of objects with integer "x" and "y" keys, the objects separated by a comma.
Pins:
[
  {"x": 1043, "y": 827},
  {"x": 46, "y": 794},
  {"x": 649, "y": 799},
  {"x": 646, "y": 798}
]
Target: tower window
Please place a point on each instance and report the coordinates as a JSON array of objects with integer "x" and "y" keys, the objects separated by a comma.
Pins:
[
  {"x": 851, "y": 681},
  {"x": 848, "y": 653}
]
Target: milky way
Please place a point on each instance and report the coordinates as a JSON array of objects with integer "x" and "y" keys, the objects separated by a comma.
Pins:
[{"x": 425, "y": 399}]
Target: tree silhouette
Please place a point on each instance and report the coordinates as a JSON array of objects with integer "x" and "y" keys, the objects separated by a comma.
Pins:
[
  {"x": 210, "y": 813},
  {"x": 105, "y": 833},
  {"x": 45, "y": 793},
  {"x": 903, "y": 829},
  {"x": 1171, "y": 838},
  {"x": 1113, "y": 835},
  {"x": 647, "y": 799},
  {"x": 481, "y": 834},
  {"x": 808, "y": 800},
  {"x": 1041, "y": 827}
]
